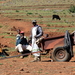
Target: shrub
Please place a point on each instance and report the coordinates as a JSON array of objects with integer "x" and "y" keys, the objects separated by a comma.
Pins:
[
  {"x": 72, "y": 9},
  {"x": 0, "y": 26},
  {"x": 41, "y": 22},
  {"x": 48, "y": 25},
  {"x": 40, "y": 16},
  {"x": 29, "y": 13},
  {"x": 17, "y": 10}
]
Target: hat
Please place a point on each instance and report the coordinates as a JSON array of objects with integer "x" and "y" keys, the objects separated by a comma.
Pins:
[
  {"x": 22, "y": 32},
  {"x": 34, "y": 21}
]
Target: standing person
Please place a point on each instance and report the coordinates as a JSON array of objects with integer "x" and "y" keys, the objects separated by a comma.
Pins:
[
  {"x": 37, "y": 32},
  {"x": 22, "y": 44}
]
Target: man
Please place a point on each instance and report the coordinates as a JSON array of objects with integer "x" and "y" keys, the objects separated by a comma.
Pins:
[
  {"x": 37, "y": 32},
  {"x": 22, "y": 44}
]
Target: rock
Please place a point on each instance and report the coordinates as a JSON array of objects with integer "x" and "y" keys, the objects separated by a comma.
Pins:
[
  {"x": 5, "y": 46},
  {"x": 60, "y": 72},
  {"x": 14, "y": 60},
  {"x": 22, "y": 69}
]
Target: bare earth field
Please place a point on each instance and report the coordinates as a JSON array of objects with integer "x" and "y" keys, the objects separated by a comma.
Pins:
[{"x": 17, "y": 66}]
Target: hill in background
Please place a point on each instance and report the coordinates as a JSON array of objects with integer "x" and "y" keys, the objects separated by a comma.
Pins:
[{"x": 34, "y": 2}]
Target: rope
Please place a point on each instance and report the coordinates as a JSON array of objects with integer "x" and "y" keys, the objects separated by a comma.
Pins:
[{"x": 19, "y": 55}]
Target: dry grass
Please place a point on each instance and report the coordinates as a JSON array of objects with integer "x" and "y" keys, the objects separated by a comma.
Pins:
[
  {"x": 35, "y": 2},
  {"x": 41, "y": 10}
]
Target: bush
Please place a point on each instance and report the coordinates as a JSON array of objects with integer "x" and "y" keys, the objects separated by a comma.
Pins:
[
  {"x": 17, "y": 10},
  {"x": 72, "y": 9},
  {"x": 29, "y": 13},
  {"x": 48, "y": 25},
  {"x": 40, "y": 16},
  {"x": 0, "y": 26}
]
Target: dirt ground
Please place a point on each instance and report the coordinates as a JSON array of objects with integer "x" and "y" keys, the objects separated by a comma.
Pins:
[{"x": 17, "y": 66}]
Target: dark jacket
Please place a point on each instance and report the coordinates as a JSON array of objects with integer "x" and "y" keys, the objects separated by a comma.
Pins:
[
  {"x": 22, "y": 41},
  {"x": 39, "y": 31}
]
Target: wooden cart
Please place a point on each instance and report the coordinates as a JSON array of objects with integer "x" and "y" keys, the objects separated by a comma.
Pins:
[{"x": 61, "y": 47}]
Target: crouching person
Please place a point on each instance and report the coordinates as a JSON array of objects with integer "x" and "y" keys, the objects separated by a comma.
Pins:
[{"x": 21, "y": 43}]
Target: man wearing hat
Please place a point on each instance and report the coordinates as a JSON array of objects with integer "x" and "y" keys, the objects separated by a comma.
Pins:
[
  {"x": 36, "y": 33},
  {"x": 22, "y": 44}
]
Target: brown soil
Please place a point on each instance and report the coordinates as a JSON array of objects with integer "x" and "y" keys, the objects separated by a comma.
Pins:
[{"x": 19, "y": 66}]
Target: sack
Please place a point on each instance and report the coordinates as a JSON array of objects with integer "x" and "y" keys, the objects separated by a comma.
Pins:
[{"x": 39, "y": 40}]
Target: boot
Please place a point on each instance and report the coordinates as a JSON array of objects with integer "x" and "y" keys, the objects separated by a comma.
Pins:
[
  {"x": 36, "y": 59},
  {"x": 21, "y": 56},
  {"x": 39, "y": 58}
]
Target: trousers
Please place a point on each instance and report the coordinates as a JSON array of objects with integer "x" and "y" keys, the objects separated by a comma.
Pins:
[{"x": 21, "y": 47}]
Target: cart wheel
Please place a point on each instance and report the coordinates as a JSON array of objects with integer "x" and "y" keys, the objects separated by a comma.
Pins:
[{"x": 60, "y": 54}]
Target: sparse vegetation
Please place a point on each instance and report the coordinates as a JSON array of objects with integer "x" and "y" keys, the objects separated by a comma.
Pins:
[
  {"x": 43, "y": 16},
  {"x": 1, "y": 63},
  {"x": 29, "y": 13},
  {"x": 72, "y": 9},
  {"x": 48, "y": 25},
  {"x": 17, "y": 10},
  {"x": 0, "y": 26}
]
